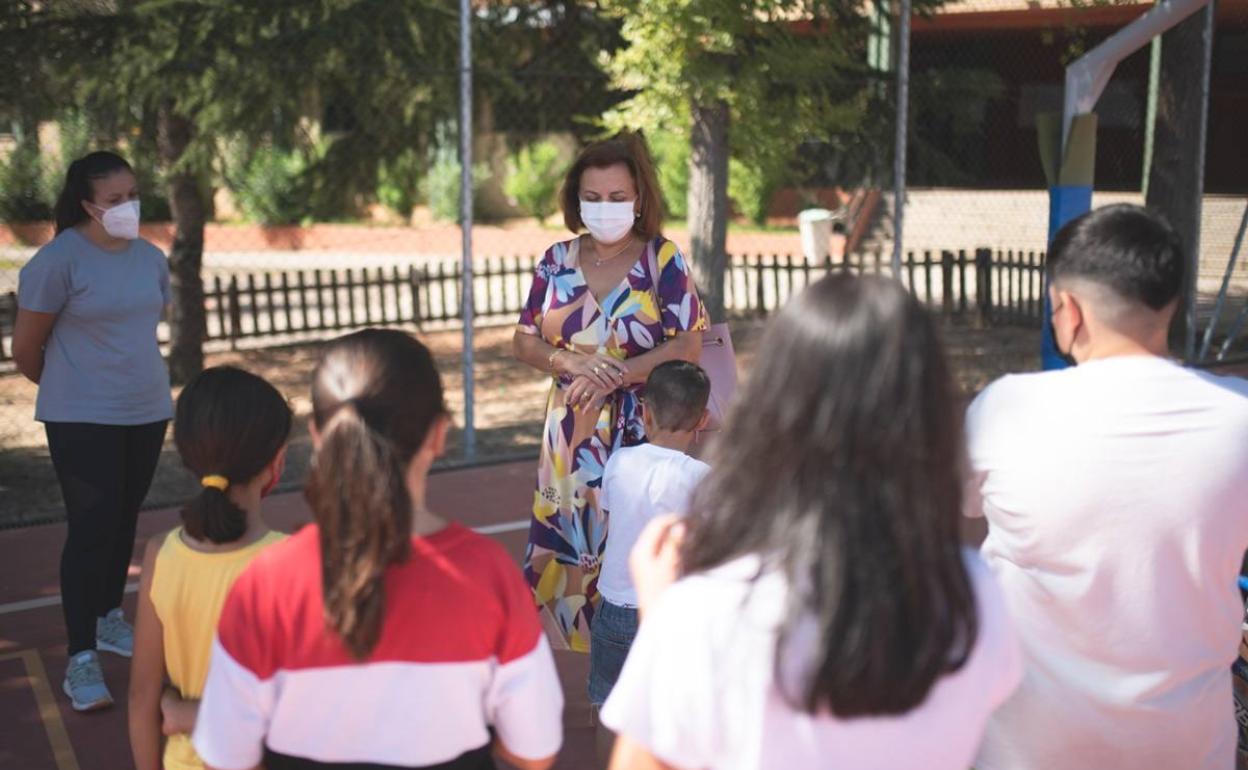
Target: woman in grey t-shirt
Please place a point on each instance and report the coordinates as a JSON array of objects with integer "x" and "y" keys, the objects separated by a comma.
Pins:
[{"x": 88, "y": 305}]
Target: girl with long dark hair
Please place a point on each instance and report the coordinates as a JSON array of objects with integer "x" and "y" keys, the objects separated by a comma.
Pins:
[
  {"x": 382, "y": 635},
  {"x": 826, "y": 614},
  {"x": 88, "y": 306}
]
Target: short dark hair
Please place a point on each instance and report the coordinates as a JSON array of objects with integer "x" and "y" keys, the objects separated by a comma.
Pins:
[
  {"x": 1131, "y": 250},
  {"x": 676, "y": 394},
  {"x": 627, "y": 148},
  {"x": 839, "y": 467}
]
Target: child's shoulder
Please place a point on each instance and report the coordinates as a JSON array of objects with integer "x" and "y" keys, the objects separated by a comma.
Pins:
[
  {"x": 623, "y": 456},
  {"x": 467, "y": 547},
  {"x": 675, "y": 462},
  {"x": 159, "y": 545},
  {"x": 469, "y": 561},
  {"x": 690, "y": 465},
  {"x": 281, "y": 559}
]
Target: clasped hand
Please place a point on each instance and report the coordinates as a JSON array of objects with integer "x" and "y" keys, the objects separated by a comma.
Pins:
[{"x": 594, "y": 377}]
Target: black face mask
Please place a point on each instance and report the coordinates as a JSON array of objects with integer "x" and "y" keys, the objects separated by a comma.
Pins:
[{"x": 1068, "y": 358}]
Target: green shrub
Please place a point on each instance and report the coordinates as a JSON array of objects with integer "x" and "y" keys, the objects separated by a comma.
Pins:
[
  {"x": 399, "y": 182},
  {"x": 77, "y": 136},
  {"x": 751, "y": 189},
  {"x": 533, "y": 178},
  {"x": 24, "y": 193},
  {"x": 442, "y": 184},
  {"x": 269, "y": 187},
  {"x": 671, "y": 160}
]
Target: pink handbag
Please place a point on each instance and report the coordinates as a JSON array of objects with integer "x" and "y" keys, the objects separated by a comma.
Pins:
[{"x": 718, "y": 359}]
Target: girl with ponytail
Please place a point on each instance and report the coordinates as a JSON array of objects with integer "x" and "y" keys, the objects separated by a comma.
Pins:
[
  {"x": 382, "y": 635},
  {"x": 231, "y": 429}
]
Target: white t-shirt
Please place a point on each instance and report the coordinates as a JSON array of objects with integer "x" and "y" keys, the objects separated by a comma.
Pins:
[
  {"x": 1116, "y": 494},
  {"x": 698, "y": 689},
  {"x": 639, "y": 484}
]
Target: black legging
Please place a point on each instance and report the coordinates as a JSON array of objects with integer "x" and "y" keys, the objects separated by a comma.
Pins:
[{"x": 104, "y": 472}]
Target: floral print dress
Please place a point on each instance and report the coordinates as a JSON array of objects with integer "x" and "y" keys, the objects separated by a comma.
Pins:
[{"x": 568, "y": 532}]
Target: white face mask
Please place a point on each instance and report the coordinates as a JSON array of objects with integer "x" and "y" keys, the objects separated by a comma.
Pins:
[
  {"x": 122, "y": 220},
  {"x": 608, "y": 221}
]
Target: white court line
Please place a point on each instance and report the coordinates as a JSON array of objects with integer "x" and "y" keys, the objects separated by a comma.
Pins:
[
  {"x": 46, "y": 601},
  {"x": 496, "y": 529},
  {"x": 52, "y": 601}
]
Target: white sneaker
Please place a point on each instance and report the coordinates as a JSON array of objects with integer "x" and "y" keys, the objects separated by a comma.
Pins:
[
  {"x": 113, "y": 634},
  {"x": 84, "y": 682}
]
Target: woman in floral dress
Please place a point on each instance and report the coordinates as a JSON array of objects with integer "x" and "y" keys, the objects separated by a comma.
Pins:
[{"x": 605, "y": 308}]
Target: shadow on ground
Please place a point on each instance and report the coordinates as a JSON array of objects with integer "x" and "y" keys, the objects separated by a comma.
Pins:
[{"x": 509, "y": 403}]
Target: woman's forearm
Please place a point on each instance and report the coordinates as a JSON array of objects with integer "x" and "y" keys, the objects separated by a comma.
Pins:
[
  {"x": 536, "y": 352},
  {"x": 30, "y": 335},
  {"x": 685, "y": 346},
  {"x": 30, "y": 365},
  {"x": 533, "y": 350}
]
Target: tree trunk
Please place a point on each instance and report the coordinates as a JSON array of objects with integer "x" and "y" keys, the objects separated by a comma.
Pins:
[
  {"x": 1174, "y": 181},
  {"x": 708, "y": 203},
  {"x": 186, "y": 319}
]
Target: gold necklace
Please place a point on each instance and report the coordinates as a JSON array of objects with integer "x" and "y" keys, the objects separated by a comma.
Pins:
[{"x": 599, "y": 261}]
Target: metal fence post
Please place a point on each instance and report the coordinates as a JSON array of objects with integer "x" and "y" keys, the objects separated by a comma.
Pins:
[
  {"x": 465, "y": 208},
  {"x": 899, "y": 134}
]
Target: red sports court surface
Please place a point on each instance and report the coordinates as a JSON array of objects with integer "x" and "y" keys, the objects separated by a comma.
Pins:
[{"x": 39, "y": 730}]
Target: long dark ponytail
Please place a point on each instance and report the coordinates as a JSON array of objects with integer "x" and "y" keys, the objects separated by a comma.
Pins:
[
  {"x": 77, "y": 188},
  {"x": 848, "y": 436},
  {"x": 375, "y": 396},
  {"x": 229, "y": 423}
]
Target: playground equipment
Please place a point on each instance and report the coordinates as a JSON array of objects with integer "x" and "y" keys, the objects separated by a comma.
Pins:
[{"x": 1068, "y": 148}]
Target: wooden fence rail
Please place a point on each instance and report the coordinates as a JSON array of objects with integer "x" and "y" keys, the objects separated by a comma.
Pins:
[{"x": 1002, "y": 287}]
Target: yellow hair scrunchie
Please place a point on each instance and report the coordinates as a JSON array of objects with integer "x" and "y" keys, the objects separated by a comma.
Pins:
[{"x": 216, "y": 482}]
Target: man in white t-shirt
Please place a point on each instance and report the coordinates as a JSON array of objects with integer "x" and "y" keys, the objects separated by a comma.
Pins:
[
  {"x": 639, "y": 484},
  {"x": 1116, "y": 494}
]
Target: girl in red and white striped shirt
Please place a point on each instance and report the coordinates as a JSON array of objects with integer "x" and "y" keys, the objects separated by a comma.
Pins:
[{"x": 382, "y": 636}]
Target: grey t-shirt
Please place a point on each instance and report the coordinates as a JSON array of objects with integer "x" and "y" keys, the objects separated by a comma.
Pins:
[{"x": 102, "y": 363}]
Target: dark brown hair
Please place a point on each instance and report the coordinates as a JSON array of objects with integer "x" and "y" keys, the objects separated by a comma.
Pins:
[
  {"x": 375, "y": 396},
  {"x": 676, "y": 394},
  {"x": 78, "y": 187},
  {"x": 1130, "y": 250},
  {"x": 848, "y": 436},
  {"x": 627, "y": 148},
  {"x": 228, "y": 423}
]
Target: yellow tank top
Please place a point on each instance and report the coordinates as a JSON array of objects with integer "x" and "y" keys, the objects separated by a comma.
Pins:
[{"x": 188, "y": 590}]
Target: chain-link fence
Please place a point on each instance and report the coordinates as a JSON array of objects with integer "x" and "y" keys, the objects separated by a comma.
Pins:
[
  {"x": 328, "y": 164},
  {"x": 985, "y": 69}
]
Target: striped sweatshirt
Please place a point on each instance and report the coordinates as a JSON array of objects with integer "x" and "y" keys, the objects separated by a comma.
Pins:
[{"x": 461, "y": 654}]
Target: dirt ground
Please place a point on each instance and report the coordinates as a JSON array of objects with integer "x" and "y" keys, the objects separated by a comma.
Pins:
[{"x": 509, "y": 403}]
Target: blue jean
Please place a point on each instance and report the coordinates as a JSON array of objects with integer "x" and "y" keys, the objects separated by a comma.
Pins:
[{"x": 611, "y": 635}]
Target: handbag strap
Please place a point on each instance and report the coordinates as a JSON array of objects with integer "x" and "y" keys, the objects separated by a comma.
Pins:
[{"x": 652, "y": 265}]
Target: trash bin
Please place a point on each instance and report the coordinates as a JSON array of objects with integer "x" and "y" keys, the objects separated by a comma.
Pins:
[{"x": 815, "y": 226}]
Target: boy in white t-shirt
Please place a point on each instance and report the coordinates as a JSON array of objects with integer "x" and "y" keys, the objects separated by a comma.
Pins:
[
  {"x": 1116, "y": 494},
  {"x": 639, "y": 484}
]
